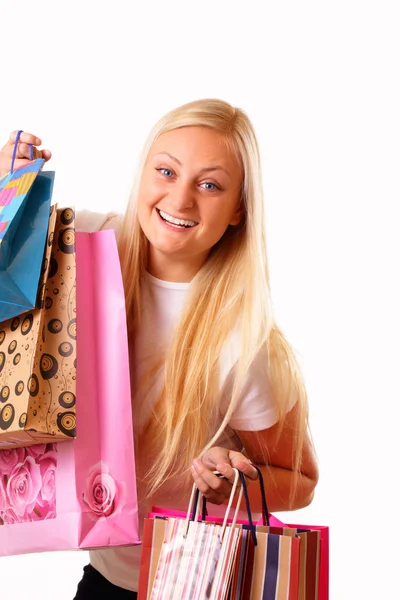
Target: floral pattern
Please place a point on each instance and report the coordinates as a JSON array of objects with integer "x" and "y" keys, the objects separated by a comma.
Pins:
[
  {"x": 103, "y": 494},
  {"x": 28, "y": 484}
]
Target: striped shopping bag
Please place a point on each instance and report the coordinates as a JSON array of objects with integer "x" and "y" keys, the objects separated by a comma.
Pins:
[
  {"x": 267, "y": 570},
  {"x": 276, "y": 562},
  {"x": 314, "y": 557},
  {"x": 187, "y": 558}
]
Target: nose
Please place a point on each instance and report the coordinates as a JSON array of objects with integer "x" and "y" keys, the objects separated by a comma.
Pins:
[{"x": 182, "y": 197}]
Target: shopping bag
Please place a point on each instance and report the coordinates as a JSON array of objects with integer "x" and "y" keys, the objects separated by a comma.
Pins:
[
  {"x": 284, "y": 564},
  {"x": 82, "y": 493},
  {"x": 188, "y": 558},
  {"x": 155, "y": 529},
  {"x": 286, "y": 574},
  {"x": 314, "y": 558},
  {"x": 268, "y": 569},
  {"x": 267, "y": 565},
  {"x": 292, "y": 568},
  {"x": 25, "y": 198},
  {"x": 277, "y": 567},
  {"x": 38, "y": 349}
]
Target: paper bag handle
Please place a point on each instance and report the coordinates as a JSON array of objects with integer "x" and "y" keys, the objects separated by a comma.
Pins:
[
  {"x": 16, "y": 148},
  {"x": 264, "y": 506},
  {"x": 194, "y": 503},
  {"x": 196, "y": 496}
]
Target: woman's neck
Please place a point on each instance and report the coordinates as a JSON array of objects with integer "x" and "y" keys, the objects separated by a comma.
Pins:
[{"x": 174, "y": 268}]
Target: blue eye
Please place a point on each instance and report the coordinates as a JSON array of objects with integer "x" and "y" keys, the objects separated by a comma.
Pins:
[
  {"x": 211, "y": 187},
  {"x": 166, "y": 172}
]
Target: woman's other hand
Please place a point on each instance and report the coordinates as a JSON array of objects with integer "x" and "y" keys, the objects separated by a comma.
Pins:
[
  {"x": 214, "y": 488},
  {"x": 23, "y": 153}
]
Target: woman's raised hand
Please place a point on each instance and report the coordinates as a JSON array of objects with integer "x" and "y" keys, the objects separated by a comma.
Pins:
[
  {"x": 215, "y": 489},
  {"x": 23, "y": 152}
]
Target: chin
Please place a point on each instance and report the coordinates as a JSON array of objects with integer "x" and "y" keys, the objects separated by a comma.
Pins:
[{"x": 163, "y": 246}]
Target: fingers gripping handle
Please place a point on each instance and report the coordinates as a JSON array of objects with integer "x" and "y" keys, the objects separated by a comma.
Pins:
[
  {"x": 264, "y": 506},
  {"x": 194, "y": 503},
  {"x": 14, "y": 155},
  {"x": 196, "y": 497}
]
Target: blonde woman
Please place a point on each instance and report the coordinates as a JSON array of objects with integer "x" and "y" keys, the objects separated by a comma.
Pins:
[{"x": 215, "y": 383}]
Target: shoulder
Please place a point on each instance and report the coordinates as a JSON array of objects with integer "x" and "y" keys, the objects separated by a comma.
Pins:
[{"x": 88, "y": 221}]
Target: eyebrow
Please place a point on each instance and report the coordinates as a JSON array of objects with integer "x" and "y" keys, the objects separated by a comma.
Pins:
[{"x": 204, "y": 170}]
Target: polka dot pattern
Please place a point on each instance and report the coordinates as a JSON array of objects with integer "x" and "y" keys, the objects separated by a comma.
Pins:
[{"x": 38, "y": 348}]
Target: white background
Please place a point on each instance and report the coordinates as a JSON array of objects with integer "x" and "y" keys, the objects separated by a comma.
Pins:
[{"x": 320, "y": 80}]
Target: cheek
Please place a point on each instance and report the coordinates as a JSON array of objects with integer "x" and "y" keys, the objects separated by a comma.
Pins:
[
  {"x": 218, "y": 215},
  {"x": 144, "y": 218},
  {"x": 214, "y": 231},
  {"x": 145, "y": 204},
  {"x": 145, "y": 209},
  {"x": 150, "y": 192}
]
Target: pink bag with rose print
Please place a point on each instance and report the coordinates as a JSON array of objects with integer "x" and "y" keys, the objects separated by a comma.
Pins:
[{"x": 81, "y": 493}]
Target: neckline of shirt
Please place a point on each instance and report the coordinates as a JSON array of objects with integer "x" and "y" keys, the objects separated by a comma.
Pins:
[{"x": 173, "y": 285}]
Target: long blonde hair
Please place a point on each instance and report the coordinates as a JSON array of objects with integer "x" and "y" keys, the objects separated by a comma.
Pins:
[{"x": 230, "y": 291}]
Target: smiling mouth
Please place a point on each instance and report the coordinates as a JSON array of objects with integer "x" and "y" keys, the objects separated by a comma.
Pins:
[{"x": 178, "y": 223}]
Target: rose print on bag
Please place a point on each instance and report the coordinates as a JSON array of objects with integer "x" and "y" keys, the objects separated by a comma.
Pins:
[
  {"x": 37, "y": 450},
  {"x": 3, "y": 497},
  {"x": 103, "y": 495},
  {"x": 23, "y": 486},
  {"x": 28, "y": 484},
  {"x": 47, "y": 495},
  {"x": 9, "y": 458},
  {"x": 10, "y": 517}
]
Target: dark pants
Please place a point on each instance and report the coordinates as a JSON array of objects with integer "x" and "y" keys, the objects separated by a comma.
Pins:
[{"x": 94, "y": 586}]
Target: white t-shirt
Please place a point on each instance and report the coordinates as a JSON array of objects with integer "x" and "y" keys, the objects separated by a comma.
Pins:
[{"x": 162, "y": 305}]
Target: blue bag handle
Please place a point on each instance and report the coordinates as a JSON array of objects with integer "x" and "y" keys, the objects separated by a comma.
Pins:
[{"x": 15, "y": 150}]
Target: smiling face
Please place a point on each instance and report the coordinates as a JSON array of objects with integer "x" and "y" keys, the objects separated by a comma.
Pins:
[{"x": 189, "y": 195}]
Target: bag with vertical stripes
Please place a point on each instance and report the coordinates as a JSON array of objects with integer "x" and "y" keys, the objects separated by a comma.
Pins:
[
  {"x": 313, "y": 560},
  {"x": 284, "y": 563},
  {"x": 271, "y": 560},
  {"x": 188, "y": 558}
]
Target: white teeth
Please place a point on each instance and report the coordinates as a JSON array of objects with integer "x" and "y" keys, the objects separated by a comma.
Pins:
[{"x": 174, "y": 221}]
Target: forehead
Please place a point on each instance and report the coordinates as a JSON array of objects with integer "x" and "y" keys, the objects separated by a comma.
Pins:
[{"x": 200, "y": 146}]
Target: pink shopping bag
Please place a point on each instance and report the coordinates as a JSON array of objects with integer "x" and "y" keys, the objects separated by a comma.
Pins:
[{"x": 81, "y": 493}]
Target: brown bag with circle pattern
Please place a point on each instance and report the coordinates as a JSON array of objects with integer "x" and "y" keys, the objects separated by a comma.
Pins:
[{"x": 38, "y": 349}]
